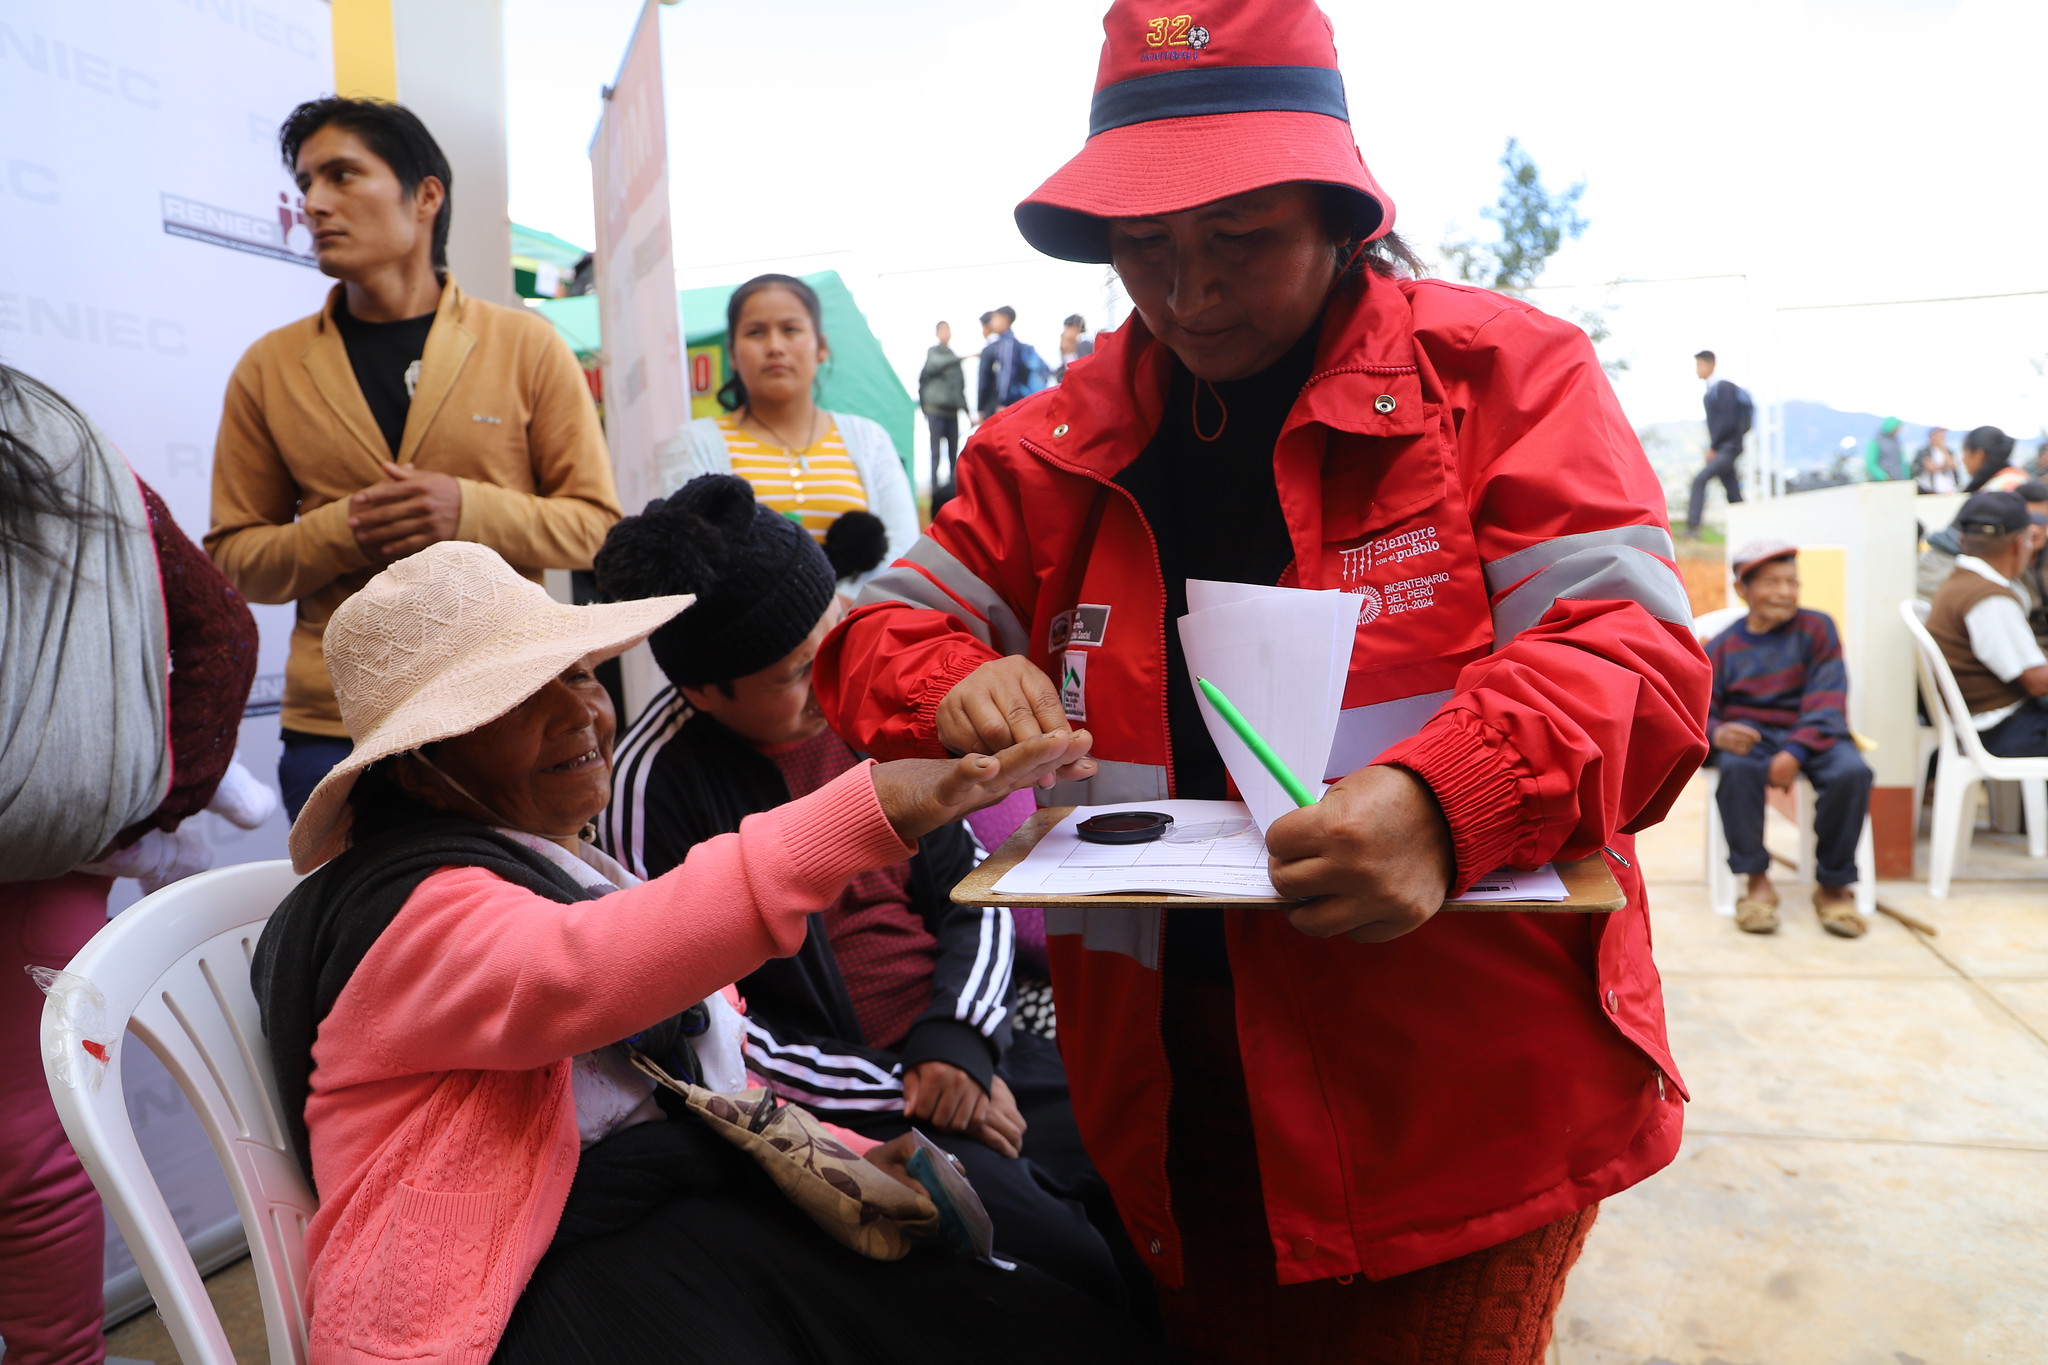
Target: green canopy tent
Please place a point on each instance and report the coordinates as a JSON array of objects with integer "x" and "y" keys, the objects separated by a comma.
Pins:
[
  {"x": 857, "y": 378},
  {"x": 542, "y": 263}
]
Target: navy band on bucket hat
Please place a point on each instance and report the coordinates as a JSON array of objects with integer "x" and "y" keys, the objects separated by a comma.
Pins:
[{"x": 1230, "y": 97}]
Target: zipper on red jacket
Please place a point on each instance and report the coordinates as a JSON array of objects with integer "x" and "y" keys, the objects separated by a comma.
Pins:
[
  {"x": 1166, "y": 732},
  {"x": 1158, "y": 576},
  {"x": 1321, "y": 375}
]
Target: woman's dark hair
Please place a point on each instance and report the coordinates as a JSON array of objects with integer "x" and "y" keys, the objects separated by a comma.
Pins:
[
  {"x": 732, "y": 395},
  {"x": 1075, "y": 320},
  {"x": 391, "y": 131},
  {"x": 1388, "y": 256},
  {"x": 1997, "y": 448},
  {"x": 28, "y": 487},
  {"x": 377, "y": 803}
]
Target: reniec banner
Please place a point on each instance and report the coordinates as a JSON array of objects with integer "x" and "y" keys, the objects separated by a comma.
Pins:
[{"x": 148, "y": 235}]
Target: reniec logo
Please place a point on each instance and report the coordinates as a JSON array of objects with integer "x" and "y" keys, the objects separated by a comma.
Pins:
[{"x": 285, "y": 236}]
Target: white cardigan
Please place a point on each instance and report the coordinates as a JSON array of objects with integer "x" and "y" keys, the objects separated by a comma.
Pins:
[{"x": 699, "y": 448}]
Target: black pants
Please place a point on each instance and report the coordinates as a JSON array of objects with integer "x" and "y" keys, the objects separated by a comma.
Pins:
[
  {"x": 1043, "y": 1203},
  {"x": 945, "y": 433},
  {"x": 1720, "y": 465},
  {"x": 1841, "y": 784},
  {"x": 676, "y": 1247},
  {"x": 2023, "y": 734}
]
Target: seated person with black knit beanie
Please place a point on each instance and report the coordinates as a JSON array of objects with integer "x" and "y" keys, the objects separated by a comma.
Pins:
[{"x": 898, "y": 1007}]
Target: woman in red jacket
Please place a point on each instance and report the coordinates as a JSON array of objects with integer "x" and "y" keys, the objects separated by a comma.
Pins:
[{"x": 1362, "y": 1127}]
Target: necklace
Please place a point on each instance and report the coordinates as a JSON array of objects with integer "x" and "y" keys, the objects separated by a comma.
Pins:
[
  {"x": 798, "y": 454},
  {"x": 1195, "y": 411}
]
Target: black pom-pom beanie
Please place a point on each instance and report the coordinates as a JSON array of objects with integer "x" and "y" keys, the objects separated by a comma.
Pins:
[{"x": 760, "y": 580}]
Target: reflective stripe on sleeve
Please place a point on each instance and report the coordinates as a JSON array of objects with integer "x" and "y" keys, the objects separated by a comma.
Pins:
[
  {"x": 929, "y": 576},
  {"x": 1509, "y": 570},
  {"x": 1619, "y": 573},
  {"x": 1133, "y": 933}
]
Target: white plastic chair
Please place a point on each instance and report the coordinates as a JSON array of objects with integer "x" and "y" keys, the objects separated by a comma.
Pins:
[
  {"x": 173, "y": 972},
  {"x": 1722, "y": 891},
  {"x": 1963, "y": 763}
]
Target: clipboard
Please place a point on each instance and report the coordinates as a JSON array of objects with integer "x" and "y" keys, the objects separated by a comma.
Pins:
[{"x": 1590, "y": 887}]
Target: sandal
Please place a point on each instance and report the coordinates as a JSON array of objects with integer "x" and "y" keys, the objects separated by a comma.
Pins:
[
  {"x": 1754, "y": 916},
  {"x": 1839, "y": 917}
]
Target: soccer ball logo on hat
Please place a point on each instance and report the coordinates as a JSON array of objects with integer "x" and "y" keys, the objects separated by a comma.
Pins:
[{"x": 1174, "y": 124}]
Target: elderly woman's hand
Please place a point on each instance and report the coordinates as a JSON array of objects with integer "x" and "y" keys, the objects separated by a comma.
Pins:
[
  {"x": 920, "y": 794},
  {"x": 1375, "y": 852}
]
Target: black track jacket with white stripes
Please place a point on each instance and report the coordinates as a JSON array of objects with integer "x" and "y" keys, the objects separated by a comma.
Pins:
[{"x": 803, "y": 1037}]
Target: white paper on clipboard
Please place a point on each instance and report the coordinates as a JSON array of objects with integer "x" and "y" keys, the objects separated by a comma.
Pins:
[{"x": 1516, "y": 884}]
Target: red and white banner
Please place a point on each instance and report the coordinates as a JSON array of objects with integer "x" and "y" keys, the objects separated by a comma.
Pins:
[{"x": 646, "y": 397}]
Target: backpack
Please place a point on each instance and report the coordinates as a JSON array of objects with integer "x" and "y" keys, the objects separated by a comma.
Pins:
[
  {"x": 1029, "y": 375},
  {"x": 1745, "y": 409}
]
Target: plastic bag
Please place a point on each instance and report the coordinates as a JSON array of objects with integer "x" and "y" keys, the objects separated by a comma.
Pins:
[{"x": 82, "y": 1046}]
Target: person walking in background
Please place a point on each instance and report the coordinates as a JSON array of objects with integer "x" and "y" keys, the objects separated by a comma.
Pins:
[
  {"x": 402, "y": 413},
  {"x": 1001, "y": 363},
  {"x": 1779, "y": 708},
  {"x": 1883, "y": 460},
  {"x": 1729, "y": 414},
  {"x": 1979, "y": 618},
  {"x": 942, "y": 396},
  {"x": 1987, "y": 459},
  {"x": 1934, "y": 464},
  {"x": 1074, "y": 343},
  {"x": 125, "y": 661},
  {"x": 835, "y": 474}
]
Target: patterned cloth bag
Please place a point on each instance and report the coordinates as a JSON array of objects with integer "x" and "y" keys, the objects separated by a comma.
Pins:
[{"x": 857, "y": 1203}]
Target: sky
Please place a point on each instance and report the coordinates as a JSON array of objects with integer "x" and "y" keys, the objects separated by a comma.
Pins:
[{"x": 1750, "y": 166}]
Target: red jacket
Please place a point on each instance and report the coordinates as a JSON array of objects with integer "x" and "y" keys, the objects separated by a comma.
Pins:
[{"x": 1525, "y": 648}]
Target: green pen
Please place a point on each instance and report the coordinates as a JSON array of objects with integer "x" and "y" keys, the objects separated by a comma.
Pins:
[{"x": 1256, "y": 742}]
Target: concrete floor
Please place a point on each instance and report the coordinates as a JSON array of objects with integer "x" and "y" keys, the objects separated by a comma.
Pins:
[{"x": 1864, "y": 1179}]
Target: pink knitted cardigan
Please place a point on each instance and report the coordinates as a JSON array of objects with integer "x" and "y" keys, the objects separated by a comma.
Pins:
[{"x": 442, "y": 1123}]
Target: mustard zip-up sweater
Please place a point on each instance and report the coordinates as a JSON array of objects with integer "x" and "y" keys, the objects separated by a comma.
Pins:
[{"x": 501, "y": 405}]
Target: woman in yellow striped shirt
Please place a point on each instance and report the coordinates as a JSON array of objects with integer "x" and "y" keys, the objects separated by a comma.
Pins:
[{"x": 814, "y": 466}]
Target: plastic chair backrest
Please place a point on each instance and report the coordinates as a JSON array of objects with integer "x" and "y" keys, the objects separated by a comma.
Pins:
[
  {"x": 173, "y": 972},
  {"x": 1953, "y": 725}
]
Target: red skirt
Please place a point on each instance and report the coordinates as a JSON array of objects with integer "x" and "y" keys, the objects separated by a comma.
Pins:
[{"x": 1491, "y": 1307}]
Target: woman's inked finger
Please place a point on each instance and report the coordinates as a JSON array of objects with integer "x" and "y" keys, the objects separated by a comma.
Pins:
[
  {"x": 985, "y": 719},
  {"x": 1021, "y": 719},
  {"x": 1045, "y": 702}
]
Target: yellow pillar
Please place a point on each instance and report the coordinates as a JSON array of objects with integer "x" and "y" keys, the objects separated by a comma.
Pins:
[{"x": 365, "y": 57}]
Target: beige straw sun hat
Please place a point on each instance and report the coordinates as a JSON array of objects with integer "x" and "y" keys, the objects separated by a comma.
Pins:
[{"x": 438, "y": 644}]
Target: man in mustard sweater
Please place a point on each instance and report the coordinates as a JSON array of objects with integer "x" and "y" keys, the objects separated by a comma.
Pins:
[{"x": 401, "y": 414}]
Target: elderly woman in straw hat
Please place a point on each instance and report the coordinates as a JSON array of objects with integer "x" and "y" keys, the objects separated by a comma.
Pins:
[
  {"x": 446, "y": 994},
  {"x": 1359, "y": 1127}
]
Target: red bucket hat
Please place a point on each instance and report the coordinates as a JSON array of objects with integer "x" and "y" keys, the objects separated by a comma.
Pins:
[{"x": 1228, "y": 97}]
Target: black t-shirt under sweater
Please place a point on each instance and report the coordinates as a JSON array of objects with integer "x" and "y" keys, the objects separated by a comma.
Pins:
[
  {"x": 1214, "y": 510},
  {"x": 383, "y": 355}
]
